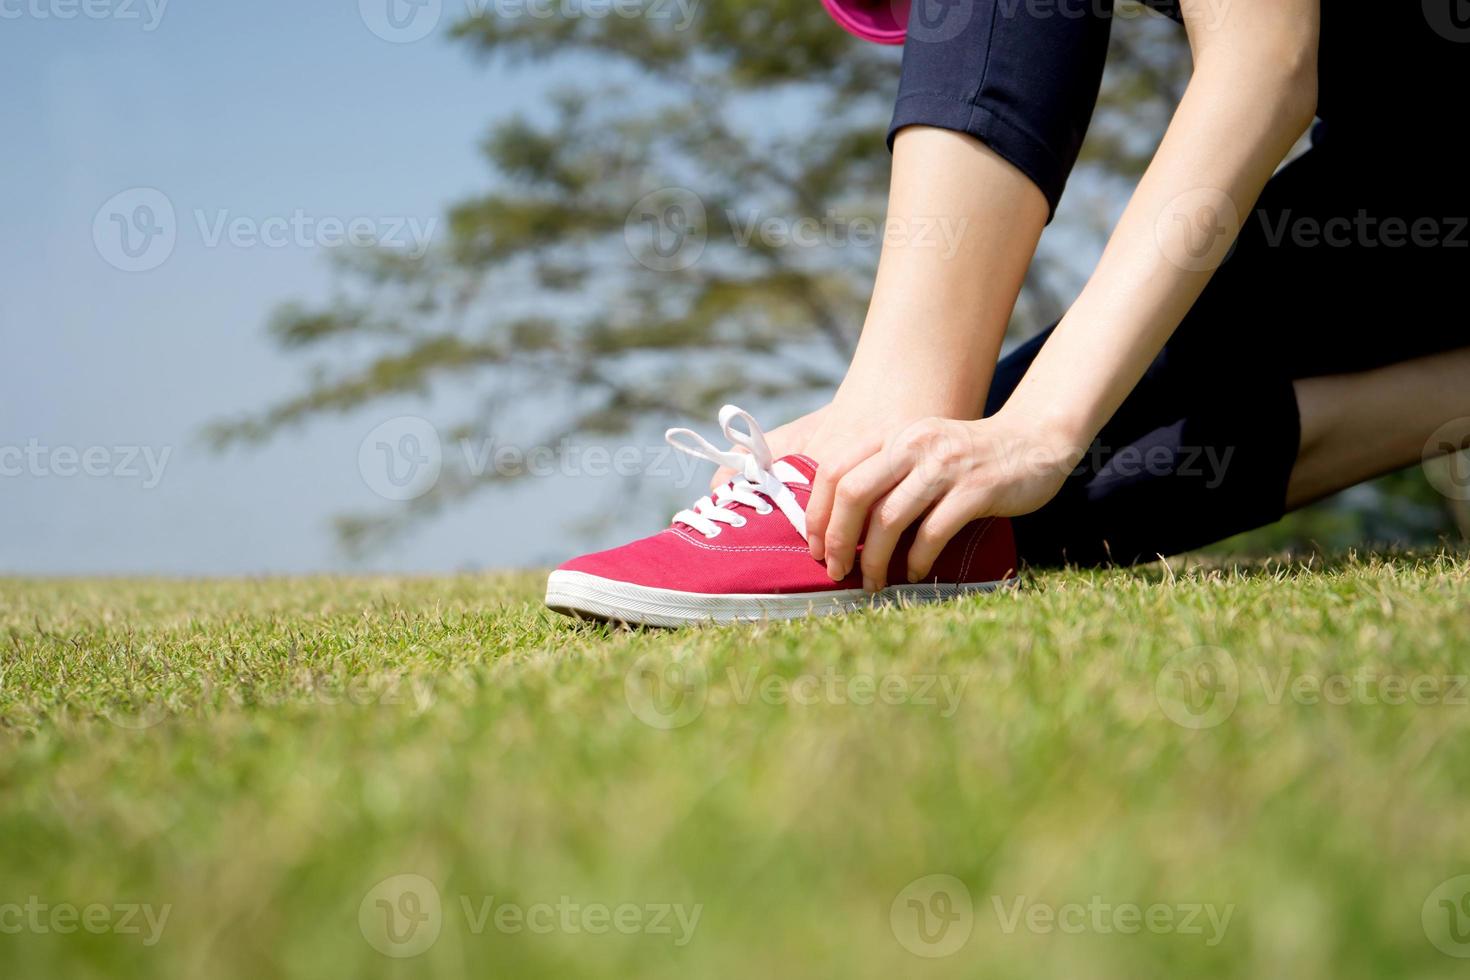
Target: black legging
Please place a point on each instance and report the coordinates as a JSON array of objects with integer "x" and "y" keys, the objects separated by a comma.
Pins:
[{"x": 1354, "y": 258}]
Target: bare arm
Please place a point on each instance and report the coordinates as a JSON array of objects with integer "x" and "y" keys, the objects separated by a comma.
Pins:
[{"x": 1252, "y": 93}]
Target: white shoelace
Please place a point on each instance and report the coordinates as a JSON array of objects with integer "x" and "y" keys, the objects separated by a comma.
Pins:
[{"x": 761, "y": 484}]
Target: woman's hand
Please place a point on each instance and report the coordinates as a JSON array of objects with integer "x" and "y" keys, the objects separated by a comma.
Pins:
[{"x": 944, "y": 471}]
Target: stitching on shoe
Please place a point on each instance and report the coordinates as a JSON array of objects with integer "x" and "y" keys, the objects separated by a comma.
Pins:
[
  {"x": 975, "y": 537},
  {"x": 732, "y": 547},
  {"x": 965, "y": 564}
]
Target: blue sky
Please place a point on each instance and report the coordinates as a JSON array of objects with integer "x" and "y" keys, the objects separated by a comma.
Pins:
[{"x": 268, "y": 128}]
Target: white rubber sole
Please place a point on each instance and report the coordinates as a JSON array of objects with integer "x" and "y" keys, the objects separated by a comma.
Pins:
[{"x": 593, "y": 597}]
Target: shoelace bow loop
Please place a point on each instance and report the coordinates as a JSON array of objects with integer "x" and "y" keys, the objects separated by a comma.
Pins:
[{"x": 757, "y": 486}]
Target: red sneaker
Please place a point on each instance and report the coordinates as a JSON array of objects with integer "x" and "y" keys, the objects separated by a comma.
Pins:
[{"x": 743, "y": 554}]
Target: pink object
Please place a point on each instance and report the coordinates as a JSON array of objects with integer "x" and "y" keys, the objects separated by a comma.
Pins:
[
  {"x": 759, "y": 567},
  {"x": 879, "y": 21}
]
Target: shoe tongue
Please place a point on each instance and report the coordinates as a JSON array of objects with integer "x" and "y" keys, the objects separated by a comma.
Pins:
[{"x": 795, "y": 468}]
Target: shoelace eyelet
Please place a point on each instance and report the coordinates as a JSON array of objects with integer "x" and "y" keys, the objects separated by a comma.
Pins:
[{"x": 750, "y": 456}]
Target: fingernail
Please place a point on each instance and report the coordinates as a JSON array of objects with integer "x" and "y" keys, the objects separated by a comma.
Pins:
[
  {"x": 913, "y": 577},
  {"x": 834, "y": 572},
  {"x": 869, "y": 586}
]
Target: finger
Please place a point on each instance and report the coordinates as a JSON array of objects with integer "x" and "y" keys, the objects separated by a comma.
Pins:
[
  {"x": 890, "y": 517},
  {"x": 854, "y": 497},
  {"x": 819, "y": 504},
  {"x": 938, "y": 528}
]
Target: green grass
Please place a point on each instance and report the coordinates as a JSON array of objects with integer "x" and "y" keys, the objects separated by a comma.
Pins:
[{"x": 256, "y": 756}]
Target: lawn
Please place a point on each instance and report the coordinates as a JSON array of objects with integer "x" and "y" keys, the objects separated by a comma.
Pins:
[{"x": 1191, "y": 771}]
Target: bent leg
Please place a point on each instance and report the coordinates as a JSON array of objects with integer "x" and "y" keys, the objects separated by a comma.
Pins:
[
  {"x": 1177, "y": 475},
  {"x": 1306, "y": 367},
  {"x": 1358, "y": 426},
  {"x": 1175, "y": 469}
]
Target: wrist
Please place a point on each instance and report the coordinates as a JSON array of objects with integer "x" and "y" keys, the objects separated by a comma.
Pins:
[{"x": 1056, "y": 430}]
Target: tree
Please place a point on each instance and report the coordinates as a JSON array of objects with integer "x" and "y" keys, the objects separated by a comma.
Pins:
[{"x": 631, "y": 262}]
